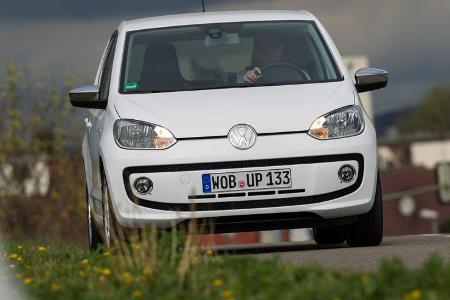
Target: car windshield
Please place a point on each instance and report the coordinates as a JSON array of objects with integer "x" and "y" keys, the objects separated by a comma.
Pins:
[{"x": 226, "y": 55}]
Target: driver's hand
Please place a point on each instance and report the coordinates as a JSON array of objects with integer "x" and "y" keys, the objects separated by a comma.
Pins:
[{"x": 253, "y": 75}]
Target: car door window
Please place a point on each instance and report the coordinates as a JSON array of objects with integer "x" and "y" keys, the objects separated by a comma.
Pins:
[{"x": 107, "y": 69}]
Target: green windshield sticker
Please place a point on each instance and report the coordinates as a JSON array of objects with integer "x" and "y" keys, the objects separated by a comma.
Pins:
[{"x": 131, "y": 85}]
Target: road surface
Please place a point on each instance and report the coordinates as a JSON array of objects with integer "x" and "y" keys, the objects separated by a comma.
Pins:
[{"x": 413, "y": 250}]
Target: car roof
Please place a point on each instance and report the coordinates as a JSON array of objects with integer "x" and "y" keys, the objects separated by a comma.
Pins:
[{"x": 214, "y": 17}]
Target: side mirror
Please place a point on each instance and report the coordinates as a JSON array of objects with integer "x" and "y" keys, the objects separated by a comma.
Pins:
[
  {"x": 443, "y": 180},
  {"x": 369, "y": 79},
  {"x": 87, "y": 97}
]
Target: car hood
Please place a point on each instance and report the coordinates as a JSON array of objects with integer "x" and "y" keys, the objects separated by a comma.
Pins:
[{"x": 267, "y": 109}]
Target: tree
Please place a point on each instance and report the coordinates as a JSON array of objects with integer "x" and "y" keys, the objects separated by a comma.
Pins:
[{"x": 431, "y": 116}]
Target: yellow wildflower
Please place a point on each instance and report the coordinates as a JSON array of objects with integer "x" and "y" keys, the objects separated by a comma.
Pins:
[
  {"x": 147, "y": 271},
  {"x": 41, "y": 248},
  {"x": 105, "y": 272},
  {"x": 365, "y": 278},
  {"x": 227, "y": 294},
  {"x": 413, "y": 295},
  {"x": 28, "y": 280},
  {"x": 107, "y": 253},
  {"x": 13, "y": 255},
  {"x": 217, "y": 282},
  {"x": 137, "y": 293},
  {"x": 85, "y": 261},
  {"x": 127, "y": 277},
  {"x": 19, "y": 247},
  {"x": 54, "y": 287},
  {"x": 19, "y": 258},
  {"x": 210, "y": 252}
]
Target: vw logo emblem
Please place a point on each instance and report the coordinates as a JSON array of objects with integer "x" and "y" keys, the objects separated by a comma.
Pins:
[{"x": 242, "y": 136}]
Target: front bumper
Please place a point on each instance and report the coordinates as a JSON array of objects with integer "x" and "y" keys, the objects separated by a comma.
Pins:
[
  {"x": 176, "y": 174},
  {"x": 322, "y": 166}
]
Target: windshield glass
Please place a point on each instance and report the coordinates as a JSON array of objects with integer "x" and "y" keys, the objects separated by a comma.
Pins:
[{"x": 226, "y": 55}]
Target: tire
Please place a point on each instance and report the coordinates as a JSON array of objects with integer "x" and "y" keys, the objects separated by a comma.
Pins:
[
  {"x": 368, "y": 230},
  {"x": 111, "y": 228},
  {"x": 329, "y": 235},
  {"x": 94, "y": 237}
]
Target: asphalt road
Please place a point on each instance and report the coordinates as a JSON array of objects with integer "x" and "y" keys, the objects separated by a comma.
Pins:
[{"x": 413, "y": 250}]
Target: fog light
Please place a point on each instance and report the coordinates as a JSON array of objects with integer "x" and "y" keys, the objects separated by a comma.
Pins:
[
  {"x": 143, "y": 185},
  {"x": 346, "y": 173}
]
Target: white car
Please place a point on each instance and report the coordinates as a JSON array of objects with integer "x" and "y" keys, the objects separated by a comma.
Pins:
[{"x": 242, "y": 121}]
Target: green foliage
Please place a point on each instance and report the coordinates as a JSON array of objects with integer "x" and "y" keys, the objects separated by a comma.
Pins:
[
  {"x": 66, "y": 272},
  {"x": 431, "y": 116}
]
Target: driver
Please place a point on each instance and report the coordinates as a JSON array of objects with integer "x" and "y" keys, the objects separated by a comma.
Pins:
[{"x": 267, "y": 50}]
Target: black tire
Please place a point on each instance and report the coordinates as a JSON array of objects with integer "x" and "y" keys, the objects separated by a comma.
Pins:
[
  {"x": 112, "y": 231},
  {"x": 329, "y": 235},
  {"x": 94, "y": 238},
  {"x": 368, "y": 230},
  {"x": 108, "y": 217}
]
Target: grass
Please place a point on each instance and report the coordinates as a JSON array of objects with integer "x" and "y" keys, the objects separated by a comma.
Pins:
[{"x": 154, "y": 270}]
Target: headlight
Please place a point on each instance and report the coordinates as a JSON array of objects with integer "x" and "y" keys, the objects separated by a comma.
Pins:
[
  {"x": 132, "y": 134},
  {"x": 343, "y": 122}
]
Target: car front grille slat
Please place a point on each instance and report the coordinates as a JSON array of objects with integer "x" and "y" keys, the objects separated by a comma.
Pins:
[
  {"x": 192, "y": 197},
  {"x": 294, "y": 191},
  {"x": 229, "y": 195},
  {"x": 262, "y": 193}
]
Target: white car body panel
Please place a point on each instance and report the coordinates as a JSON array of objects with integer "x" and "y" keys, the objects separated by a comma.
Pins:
[{"x": 214, "y": 112}]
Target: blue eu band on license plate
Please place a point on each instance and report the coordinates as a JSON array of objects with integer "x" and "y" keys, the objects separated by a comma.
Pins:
[{"x": 206, "y": 181}]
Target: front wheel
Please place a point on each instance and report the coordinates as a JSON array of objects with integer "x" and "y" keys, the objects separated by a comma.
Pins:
[{"x": 368, "y": 230}]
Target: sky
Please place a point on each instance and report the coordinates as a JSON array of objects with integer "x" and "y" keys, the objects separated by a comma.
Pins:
[{"x": 409, "y": 38}]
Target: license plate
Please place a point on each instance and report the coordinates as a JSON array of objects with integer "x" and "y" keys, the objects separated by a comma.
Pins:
[{"x": 250, "y": 180}]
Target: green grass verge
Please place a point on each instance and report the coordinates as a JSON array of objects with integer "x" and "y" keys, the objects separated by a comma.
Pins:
[{"x": 55, "y": 271}]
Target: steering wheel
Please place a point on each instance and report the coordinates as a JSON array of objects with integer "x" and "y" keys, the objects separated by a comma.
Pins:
[{"x": 282, "y": 72}]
